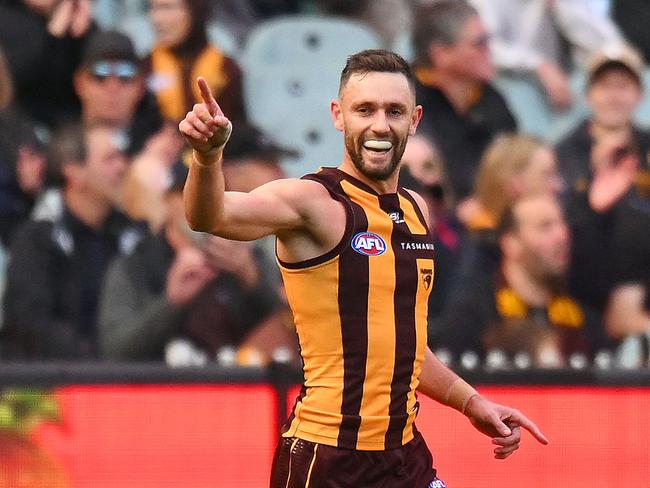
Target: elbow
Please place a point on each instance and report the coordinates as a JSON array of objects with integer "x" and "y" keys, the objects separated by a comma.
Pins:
[
  {"x": 202, "y": 223},
  {"x": 197, "y": 224}
]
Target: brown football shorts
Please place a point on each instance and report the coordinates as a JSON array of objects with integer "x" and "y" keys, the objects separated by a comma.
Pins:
[{"x": 303, "y": 464}]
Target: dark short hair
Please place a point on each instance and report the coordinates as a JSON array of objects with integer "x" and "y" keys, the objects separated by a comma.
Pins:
[
  {"x": 376, "y": 60},
  {"x": 438, "y": 22},
  {"x": 69, "y": 145}
]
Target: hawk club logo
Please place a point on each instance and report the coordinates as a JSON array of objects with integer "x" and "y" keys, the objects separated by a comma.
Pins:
[
  {"x": 368, "y": 244},
  {"x": 427, "y": 277}
]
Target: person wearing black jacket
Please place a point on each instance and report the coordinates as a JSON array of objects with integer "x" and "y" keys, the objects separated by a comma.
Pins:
[
  {"x": 199, "y": 289},
  {"x": 462, "y": 111},
  {"x": 606, "y": 163},
  {"x": 43, "y": 41},
  {"x": 56, "y": 266}
]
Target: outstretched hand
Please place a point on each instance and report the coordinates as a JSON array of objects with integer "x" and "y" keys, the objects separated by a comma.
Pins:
[
  {"x": 502, "y": 423},
  {"x": 205, "y": 128}
]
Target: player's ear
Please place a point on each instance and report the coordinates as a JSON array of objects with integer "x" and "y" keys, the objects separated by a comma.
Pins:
[
  {"x": 415, "y": 119},
  {"x": 337, "y": 114}
]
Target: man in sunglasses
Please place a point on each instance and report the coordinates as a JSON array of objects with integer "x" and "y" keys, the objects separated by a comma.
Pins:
[{"x": 111, "y": 86}]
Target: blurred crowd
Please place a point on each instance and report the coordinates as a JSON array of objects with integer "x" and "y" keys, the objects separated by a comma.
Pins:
[{"x": 543, "y": 241}]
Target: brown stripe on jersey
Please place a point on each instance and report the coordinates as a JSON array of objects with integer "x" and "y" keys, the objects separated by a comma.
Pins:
[
  {"x": 403, "y": 193},
  {"x": 353, "y": 309},
  {"x": 406, "y": 281}
]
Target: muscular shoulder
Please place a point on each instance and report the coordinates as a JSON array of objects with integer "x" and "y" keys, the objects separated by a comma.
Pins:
[{"x": 321, "y": 219}]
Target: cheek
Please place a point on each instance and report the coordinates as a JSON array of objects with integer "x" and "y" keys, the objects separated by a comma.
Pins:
[{"x": 183, "y": 25}]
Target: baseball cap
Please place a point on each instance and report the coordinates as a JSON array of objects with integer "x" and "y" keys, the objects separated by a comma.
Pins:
[
  {"x": 616, "y": 56},
  {"x": 247, "y": 141},
  {"x": 108, "y": 44}
]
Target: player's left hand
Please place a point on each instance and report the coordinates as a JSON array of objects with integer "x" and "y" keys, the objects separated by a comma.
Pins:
[{"x": 502, "y": 423}]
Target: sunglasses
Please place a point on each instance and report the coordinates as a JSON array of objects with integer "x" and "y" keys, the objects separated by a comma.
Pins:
[{"x": 125, "y": 71}]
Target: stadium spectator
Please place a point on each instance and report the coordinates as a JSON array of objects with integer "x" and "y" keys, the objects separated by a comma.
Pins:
[
  {"x": 253, "y": 159},
  {"x": 632, "y": 17},
  {"x": 607, "y": 161},
  {"x": 462, "y": 111},
  {"x": 388, "y": 18},
  {"x": 147, "y": 177},
  {"x": 514, "y": 165},
  {"x": 57, "y": 266},
  {"x": 531, "y": 38},
  {"x": 43, "y": 40},
  {"x": 424, "y": 171},
  {"x": 181, "y": 284},
  {"x": 182, "y": 52},
  {"x": 22, "y": 160},
  {"x": 242, "y": 16},
  {"x": 110, "y": 82},
  {"x": 525, "y": 287}
]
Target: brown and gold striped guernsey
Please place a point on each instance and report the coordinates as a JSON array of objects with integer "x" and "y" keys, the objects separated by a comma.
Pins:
[{"x": 361, "y": 315}]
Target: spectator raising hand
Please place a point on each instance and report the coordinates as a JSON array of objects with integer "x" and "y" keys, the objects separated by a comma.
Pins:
[{"x": 69, "y": 17}]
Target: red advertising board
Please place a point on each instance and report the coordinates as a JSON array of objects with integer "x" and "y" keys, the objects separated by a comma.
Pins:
[
  {"x": 600, "y": 436},
  {"x": 164, "y": 436}
]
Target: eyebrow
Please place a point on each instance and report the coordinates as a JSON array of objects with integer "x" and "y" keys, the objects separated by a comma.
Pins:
[{"x": 399, "y": 105}]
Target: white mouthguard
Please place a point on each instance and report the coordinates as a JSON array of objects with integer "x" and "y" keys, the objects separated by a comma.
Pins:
[{"x": 379, "y": 145}]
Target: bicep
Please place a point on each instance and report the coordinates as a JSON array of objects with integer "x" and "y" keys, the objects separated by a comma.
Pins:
[{"x": 264, "y": 211}]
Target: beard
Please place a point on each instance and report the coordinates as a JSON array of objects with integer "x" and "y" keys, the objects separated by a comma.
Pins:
[{"x": 354, "y": 148}]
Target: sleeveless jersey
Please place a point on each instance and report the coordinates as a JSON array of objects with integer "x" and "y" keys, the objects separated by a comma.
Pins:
[{"x": 360, "y": 311}]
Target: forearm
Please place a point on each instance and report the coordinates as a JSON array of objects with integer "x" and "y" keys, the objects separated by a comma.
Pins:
[
  {"x": 440, "y": 383},
  {"x": 204, "y": 192}
]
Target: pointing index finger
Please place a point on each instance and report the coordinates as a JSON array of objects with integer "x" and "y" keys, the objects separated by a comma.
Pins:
[
  {"x": 530, "y": 427},
  {"x": 208, "y": 99}
]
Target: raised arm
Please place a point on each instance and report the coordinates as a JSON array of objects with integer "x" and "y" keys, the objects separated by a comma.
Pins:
[{"x": 208, "y": 207}]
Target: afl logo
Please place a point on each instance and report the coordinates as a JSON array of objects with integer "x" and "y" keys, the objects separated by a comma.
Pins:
[{"x": 368, "y": 244}]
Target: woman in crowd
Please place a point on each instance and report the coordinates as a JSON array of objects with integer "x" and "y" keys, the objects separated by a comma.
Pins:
[{"x": 182, "y": 53}]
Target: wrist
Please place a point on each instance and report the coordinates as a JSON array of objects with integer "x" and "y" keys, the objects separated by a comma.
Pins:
[
  {"x": 459, "y": 395},
  {"x": 468, "y": 404},
  {"x": 207, "y": 159}
]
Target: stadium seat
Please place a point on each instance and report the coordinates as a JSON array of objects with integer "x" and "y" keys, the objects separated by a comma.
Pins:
[
  {"x": 403, "y": 45},
  {"x": 139, "y": 29},
  {"x": 306, "y": 39},
  {"x": 291, "y": 68},
  {"x": 562, "y": 123},
  {"x": 290, "y": 103},
  {"x": 527, "y": 102}
]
